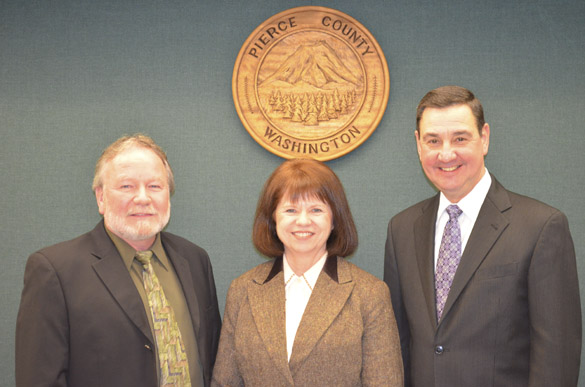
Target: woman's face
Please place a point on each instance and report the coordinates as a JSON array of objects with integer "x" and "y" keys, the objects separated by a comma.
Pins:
[{"x": 303, "y": 227}]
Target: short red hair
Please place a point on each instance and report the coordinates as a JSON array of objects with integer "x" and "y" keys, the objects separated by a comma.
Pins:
[{"x": 304, "y": 178}]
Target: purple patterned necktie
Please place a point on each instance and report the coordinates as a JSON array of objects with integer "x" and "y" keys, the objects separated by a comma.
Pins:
[{"x": 449, "y": 256}]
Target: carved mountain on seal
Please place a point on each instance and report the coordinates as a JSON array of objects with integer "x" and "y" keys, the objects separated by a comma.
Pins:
[{"x": 317, "y": 65}]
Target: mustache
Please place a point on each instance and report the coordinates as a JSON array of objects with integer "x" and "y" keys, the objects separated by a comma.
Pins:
[{"x": 142, "y": 211}]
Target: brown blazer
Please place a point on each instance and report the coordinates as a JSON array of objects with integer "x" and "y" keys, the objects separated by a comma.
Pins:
[
  {"x": 513, "y": 315},
  {"x": 81, "y": 321},
  {"x": 347, "y": 336}
]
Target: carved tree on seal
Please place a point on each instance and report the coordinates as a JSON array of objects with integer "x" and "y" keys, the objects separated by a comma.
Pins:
[{"x": 312, "y": 87}]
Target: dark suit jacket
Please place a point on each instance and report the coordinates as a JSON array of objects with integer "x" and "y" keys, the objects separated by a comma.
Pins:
[
  {"x": 513, "y": 315},
  {"x": 82, "y": 323},
  {"x": 347, "y": 336}
]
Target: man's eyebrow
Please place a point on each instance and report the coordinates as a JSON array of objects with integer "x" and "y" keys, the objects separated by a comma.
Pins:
[
  {"x": 431, "y": 134},
  {"x": 461, "y": 132}
]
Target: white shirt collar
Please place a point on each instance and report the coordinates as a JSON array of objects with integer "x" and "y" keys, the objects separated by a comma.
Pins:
[
  {"x": 311, "y": 275},
  {"x": 472, "y": 202}
]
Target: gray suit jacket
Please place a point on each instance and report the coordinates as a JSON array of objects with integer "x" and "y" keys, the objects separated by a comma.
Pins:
[
  {"x": 82, "y": 323},
  {"x": 513, "y": 315},
  {"x": 347, "y": 336}
]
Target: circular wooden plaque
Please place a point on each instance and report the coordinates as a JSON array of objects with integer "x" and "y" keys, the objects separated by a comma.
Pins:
[{"x": 310, "y": 82}]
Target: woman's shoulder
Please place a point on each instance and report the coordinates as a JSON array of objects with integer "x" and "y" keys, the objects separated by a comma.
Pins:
[
  {"x": 364, "y": 280},
  {"x": 239, "y": 287},
  {"x": 370, "y": 292},
  {"x": 358, "y": 273},
  {"x": 257, "y": 273}
]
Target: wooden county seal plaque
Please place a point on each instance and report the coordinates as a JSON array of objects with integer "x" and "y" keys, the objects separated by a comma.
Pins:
[{"x": 310, "y": 82}]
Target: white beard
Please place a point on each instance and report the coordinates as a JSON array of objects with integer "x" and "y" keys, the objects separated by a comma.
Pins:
[{"x": 141, "y": 230}]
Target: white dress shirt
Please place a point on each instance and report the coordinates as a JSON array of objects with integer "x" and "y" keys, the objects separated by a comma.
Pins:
[
  {"x": 470, "y": 205},
  {"x": 297, "y": 291}
]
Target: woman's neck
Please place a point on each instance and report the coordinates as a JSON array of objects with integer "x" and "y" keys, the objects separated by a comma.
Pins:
[{"x": 301, "y": 264}]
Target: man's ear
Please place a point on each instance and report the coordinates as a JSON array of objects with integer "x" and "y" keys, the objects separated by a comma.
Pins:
[
  {"x": 99, "y": 197},
  {"x": 485, "y": 138},
  {"x": 418, "y": 144}
]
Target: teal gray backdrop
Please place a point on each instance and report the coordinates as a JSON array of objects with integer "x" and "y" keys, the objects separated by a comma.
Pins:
[{"x": 76, "y": 75}]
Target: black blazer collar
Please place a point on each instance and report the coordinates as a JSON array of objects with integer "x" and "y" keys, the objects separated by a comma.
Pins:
[{"x": 330, "y": 268}]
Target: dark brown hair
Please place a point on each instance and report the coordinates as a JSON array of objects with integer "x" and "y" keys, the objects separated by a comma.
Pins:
[
  {"x": 297, "y": 179},
  {"x": 448, "y": 96},
  {"x": 134, "y": 141}
]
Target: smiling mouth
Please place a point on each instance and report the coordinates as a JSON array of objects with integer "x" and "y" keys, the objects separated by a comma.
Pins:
[
  {"x": 302, "y": 233},
  {"x": 449, "y": 169}
]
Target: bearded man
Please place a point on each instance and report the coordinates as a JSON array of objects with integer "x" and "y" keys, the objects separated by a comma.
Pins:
[{"x": 125, "y": 304}]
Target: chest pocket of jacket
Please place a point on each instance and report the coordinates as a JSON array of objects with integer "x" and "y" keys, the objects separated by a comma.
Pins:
[{"x": 498, "y": 271}]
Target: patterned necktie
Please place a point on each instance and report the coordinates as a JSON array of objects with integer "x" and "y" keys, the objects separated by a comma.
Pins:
[
  {"x": 174, "y": 367},
  {"x": 449, "y": 257}
]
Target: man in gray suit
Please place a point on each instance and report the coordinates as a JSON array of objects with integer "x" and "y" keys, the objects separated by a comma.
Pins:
[
  {"x": 483, "y": 281},
  {"x": 92, "y": 314}
]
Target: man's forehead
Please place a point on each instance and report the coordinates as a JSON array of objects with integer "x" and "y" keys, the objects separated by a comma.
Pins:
[
  {"x": 457, "y": 117},
  {"x": 133, "y": 154},
  {"x": 134, "y": 149},
  {"x": 459, "y": 109},
  {"x": 131, "y": 159}
]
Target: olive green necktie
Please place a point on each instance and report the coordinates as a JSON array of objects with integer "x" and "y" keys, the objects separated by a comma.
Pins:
[{"x": 174, "y": 367}]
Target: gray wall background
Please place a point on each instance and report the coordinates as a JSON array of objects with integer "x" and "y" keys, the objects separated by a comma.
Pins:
[{"x": 74, "y": 76}]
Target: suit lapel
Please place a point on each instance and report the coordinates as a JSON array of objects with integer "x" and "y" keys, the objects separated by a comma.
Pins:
[
  {"x": 267, "y": 303},
  {"x": 424, "y": 238},
  {"x": 184, "y": 274},
  {"x": 111, "y": 270},
  {"x": 488, "y": 227},
  {"x": 326, "y": 302}
]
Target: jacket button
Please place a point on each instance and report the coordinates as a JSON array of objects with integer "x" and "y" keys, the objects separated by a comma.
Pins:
[
  {"x": 439, "y": 349},
  {"x": 147, "y": 347}
]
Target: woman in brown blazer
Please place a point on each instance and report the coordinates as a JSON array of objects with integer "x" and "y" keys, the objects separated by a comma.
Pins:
[{"x": 307, "y": 317}]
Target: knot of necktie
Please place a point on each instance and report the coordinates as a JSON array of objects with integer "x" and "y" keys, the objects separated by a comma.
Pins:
[
  {"x": 144, "y": 257},
  {"x": 454, "y": 211}
]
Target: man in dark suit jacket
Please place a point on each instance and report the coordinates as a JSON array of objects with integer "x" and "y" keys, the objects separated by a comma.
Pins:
[
  {"x": 84, "y": 318},
  {"x": 512, "y": 315}
]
